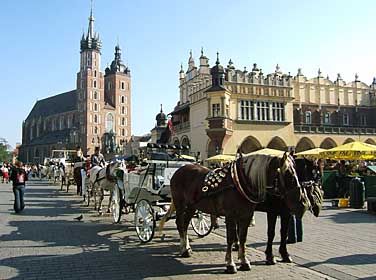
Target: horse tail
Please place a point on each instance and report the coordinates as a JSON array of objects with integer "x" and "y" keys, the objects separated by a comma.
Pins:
[{"x": 166, "y": 216}]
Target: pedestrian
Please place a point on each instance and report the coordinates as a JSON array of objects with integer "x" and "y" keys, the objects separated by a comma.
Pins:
[
  {"x": 5, "y": 171},
  {"x": 18, "y": 177}
]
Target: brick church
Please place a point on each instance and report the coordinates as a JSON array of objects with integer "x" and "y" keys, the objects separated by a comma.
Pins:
[{"x": 96, "y": 113}]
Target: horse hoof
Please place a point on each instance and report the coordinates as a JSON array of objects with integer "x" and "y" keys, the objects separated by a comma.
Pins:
[
  {"x": 235, "y": 247},
  {"x": 187, "y": 253},
  {"x": 230, "y": 269},
  {"x": 270, "y": 260},
  {"x": 286, "y": 259},
  {"x": 245, "y": 267}
]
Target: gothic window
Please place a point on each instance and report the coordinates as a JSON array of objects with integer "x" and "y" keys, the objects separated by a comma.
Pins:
[
  {"x": 122, "y": 121},
  {"x": 123, "y": 132},
  {"x": 308, "y": 117},
  {"x": 94, "y": 84},
  {"x": 345, "y": 119},
  {"x": 262, "y": 111},
  {"x": 246, "y": 110},
  {"x": 123, "y": 110},
  {"x": 61, "y": 123},
  {"x": 327, "y": 118},
  {"x": 122, "y": 85},
  {"x": 109, "y": 122},
  {"x": 95, "y": 118},
  {"x": 216, "y": 109},
  {"x": 95, "y": 107},
  {"x": 278, "y": 111},
  {"x": 95, "y": 73},
  {"x": 96, "y": 130},
  {"x": 122, "y": 99},
  {"x": 95, "y": 95},
  {"x": 92, "y": 140}
]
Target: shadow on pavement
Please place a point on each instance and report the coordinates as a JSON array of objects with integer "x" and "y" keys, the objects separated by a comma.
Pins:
[
  {"x": 356, "y": 259},
  {"x": 356, "y": 216},
  {"x": 101, "y": 254}
]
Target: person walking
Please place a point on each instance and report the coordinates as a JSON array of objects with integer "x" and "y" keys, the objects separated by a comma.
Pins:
[{"x": 18, "y": 177}]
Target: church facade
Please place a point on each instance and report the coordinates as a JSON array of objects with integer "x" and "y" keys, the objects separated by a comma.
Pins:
[
  {"x": 221, "y": 109},
  {"x": 96, "y": 113}
]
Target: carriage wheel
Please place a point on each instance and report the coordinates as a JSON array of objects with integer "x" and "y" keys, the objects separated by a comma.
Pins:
[
  {"x": 144, "y": 221},
  {"x": 116, "y": 204},
  {"x": 201, "y": 223}
]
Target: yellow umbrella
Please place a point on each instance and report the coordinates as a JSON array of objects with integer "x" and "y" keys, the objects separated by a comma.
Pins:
[
  {"x": 351, "y": 151},
  {"x": 220, "y": 158},
  {"x": 312, "y": 153},
  {"x": 267, "y": 151}
]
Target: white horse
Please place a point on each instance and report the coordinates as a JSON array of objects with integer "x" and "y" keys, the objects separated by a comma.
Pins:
[{"x": 103, "y": 179}]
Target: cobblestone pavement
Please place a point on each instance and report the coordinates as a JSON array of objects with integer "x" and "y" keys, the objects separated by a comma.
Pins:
[{"x": 45, "y": 242}]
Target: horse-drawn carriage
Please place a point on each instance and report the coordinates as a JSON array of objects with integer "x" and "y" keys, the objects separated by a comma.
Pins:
[{"x": 146, "y": 192}]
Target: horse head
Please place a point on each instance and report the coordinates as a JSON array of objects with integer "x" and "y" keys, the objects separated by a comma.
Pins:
[{"x": 295, "y": 196}]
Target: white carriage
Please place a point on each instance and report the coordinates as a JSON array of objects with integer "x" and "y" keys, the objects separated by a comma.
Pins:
[{"x": 146, "y": 192}]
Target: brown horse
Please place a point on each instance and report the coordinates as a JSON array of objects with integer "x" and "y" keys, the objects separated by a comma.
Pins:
[{"x": 233, "y": 192}]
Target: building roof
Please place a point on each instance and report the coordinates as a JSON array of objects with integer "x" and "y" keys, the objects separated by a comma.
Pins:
[{"x": 57, "y": 104}]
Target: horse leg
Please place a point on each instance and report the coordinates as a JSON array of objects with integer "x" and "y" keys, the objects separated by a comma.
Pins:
[
  {"x": 272, "y": 219},
  {"x": 109, "y": 202},
  {"x": 100, "y": 201},
  {"x": 230, "y": 236},
  {"x": 242, "y": 232},
  {"x": 285, "y": 218},
  {"x": 184, "y": 220}
]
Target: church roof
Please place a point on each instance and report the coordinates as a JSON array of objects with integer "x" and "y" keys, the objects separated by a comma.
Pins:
[
  {"x": 63, "y": 102},
  {"x": 53, "y": 137}
]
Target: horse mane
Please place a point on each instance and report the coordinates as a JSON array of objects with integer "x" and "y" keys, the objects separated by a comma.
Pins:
[{"x": 257, "y": 168}]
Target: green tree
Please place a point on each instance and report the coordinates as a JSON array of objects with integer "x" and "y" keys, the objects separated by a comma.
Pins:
[{"x": 5, "y": 154}]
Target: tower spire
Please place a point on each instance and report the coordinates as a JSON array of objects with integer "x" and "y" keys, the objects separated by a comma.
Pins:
[{"x": 91, "y": 21}]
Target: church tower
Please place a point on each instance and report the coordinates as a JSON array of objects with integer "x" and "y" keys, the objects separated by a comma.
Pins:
[
  {"x": 117, "y": 96},
  {"x": 90, "y": 90}
]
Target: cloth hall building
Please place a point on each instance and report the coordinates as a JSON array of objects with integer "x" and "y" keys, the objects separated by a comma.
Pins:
[
  {"x": 221, "y": 109},
  {"x": 95, "y": 113}
]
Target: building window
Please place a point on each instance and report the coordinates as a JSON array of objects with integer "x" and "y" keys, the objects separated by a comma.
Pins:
[
  {"x": 95, "y": 118},
  {"x": 122, "y": 85},
  {"x": 123, "y": 110},
  {"x": 96, "y": 130},
  {"x": 122, "y": 121},
  {"x": 262, "y": 110},
  {"x": 308, "y": 117},
  {"x": 109, "y": 122},
  {"x": 94, "y": 84},
  {"x": 95, "y": 73},
  {"x": 123, "y": 132},
  {"x": 363, "y": 120},
  {"x": 246, "y": 110},
  {"x": 95, "y": 107},
  {"x": 345, "y": 119},
  {"x": 327, "y": 118},
  {"x": 216, "y": 109},
  {"x": 95, "y": 95},
  {"x": 278, "y": 111},
  {"x": 122, "y": 99}
]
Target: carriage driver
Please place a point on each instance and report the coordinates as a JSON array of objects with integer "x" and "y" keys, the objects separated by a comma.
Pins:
[
  {"x": 78, "y": 165},
  {"x": 97, "y": 159}
]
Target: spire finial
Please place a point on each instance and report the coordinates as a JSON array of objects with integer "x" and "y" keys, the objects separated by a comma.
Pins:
[
  {"x": 202, "y": 51},
  {"x": 356, "y": 77},
  {"x": 217, "y": 62},
  {"x": 319, "y": 72},
  {"x": 91, "y": 21},
  {"x": 190, "y": 53},
  {"x": 161, "y": 108}
]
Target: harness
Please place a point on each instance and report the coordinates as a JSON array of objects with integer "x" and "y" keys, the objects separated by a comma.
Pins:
[{"x": 108, "y": 176}]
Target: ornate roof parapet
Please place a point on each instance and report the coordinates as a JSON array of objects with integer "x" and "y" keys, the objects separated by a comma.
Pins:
[
  {"x": 117, "y": 65},
  {"x": 204, "y": 63}
]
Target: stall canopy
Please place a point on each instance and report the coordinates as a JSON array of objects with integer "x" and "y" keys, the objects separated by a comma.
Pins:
[
  {"x": 351, "y": 151},
  {"x": 220, "y": 158},
  {"x": 267, "y": 151},
  {"x": 312, "y": 153}
]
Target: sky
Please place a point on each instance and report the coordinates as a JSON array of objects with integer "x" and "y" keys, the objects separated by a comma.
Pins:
[{"x": 40, "y": 45}]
